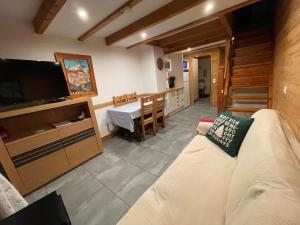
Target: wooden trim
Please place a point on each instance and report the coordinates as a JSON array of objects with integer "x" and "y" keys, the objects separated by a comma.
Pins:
[
  {"x": 113, "y": 16},
  {"x": 195, "y": 23},
  {"x": 226, "y": 24},
  {"x": 103, "y": 105},
  {"x": 167, "y": 11},
  {"x": 110, "y": 136},
  {"x": 46, "y": 13}
]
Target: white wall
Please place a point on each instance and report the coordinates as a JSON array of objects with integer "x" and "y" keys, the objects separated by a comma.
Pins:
[
  {"x": 176, "y": 60},
  {"x": 117, "y": 70},
  {"x": 161, "y": 75},
  {"x": 195, "y": 79}
]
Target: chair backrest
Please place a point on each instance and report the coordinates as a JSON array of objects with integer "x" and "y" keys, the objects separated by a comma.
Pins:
[
  {"x": 147, "y": 106},
  {"x": 160, "y": 101},
  {"x": 132, "y": 97},
  {"x": 120, "y": 100}
]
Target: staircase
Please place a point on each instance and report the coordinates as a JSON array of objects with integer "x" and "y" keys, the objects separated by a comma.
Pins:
[{"x": 249, "y": 85}]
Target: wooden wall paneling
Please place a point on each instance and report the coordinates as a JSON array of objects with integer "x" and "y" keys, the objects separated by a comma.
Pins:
[
  {"x": 287, "y": 63},
  {"x": 46, "y": 13},
  {"x": 111, "y": 17},
  {"x": 169, "y": 10},
  {"x": 226, "y": 23}
]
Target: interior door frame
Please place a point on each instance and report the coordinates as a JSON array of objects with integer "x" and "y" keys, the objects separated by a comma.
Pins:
[{"x": 198, "y": 54}]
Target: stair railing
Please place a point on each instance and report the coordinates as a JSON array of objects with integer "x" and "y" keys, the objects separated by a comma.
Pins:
[{"x": 227, "y": 71}]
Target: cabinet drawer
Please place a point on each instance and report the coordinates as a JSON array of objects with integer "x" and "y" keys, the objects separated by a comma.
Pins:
[
  {"x": 75, "y": 128},
  {"x": 29, "y": 143},
  {"x": 43, "y": 170},
  {"x": 82, "y": 151}
]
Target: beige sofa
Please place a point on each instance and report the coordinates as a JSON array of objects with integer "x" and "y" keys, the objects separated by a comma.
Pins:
[{"x": 205, "y": 186}]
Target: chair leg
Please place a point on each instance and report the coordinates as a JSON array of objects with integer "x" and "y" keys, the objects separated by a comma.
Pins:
[
  {"x": 144, "y": 132},
  {"x": 163, "y": 121},
  {"x": 154, "y": 127}
]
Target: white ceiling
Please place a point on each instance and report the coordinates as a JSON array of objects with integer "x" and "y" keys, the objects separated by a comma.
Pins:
[{"x": 68, "y": 24}]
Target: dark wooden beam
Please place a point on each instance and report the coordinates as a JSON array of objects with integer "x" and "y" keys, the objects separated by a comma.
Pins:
[
  {"x": 169, "y": 10},
  {"x": 195, "y": 23},
  {"x": 226, "y": 23},
  {"x": 114, "y": 15},
  {"x": 194, "y": 44},
  {"x": 46, "y": 13},
  {"x": 201, "y": 36},
  {"x": 195, "y": 31}
]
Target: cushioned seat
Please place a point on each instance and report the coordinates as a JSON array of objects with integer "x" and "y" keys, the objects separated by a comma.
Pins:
[{"x": 192, "y": 191}]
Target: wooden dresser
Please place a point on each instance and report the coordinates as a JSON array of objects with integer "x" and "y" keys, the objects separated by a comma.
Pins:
[{"x": 36, "y": 152}]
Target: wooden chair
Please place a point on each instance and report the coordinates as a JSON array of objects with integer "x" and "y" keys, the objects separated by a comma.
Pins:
[
  {"x": 147, "y": 114},
  {"x": 159, "y": 109},
  {"x": 120, "y": 100},
  {"x": 131, "y": 97}
]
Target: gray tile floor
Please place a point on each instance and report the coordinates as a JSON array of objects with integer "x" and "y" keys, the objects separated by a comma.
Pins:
[{"x": 101, "y": 191}]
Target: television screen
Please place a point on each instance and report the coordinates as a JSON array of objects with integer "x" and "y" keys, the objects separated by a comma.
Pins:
[
  {"x": 23, "y": 81},
  {"x": 185, "y": 65}
]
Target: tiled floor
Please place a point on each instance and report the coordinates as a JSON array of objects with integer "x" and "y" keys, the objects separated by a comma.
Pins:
[{"x": 100, "y": 191}]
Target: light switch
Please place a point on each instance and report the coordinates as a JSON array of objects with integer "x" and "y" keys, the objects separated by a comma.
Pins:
[{"x": 214, "y": 80}]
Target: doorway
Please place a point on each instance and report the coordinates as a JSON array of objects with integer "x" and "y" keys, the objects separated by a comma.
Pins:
[{"x": 204, "y": 77}]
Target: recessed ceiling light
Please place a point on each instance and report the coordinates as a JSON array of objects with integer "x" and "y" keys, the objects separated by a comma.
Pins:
[
  {"x": 143, "y": 35},
  {"x": 82, "y": 14},
  {"x": 209, "y": 7},
  {"x": 189, "y": 49}
]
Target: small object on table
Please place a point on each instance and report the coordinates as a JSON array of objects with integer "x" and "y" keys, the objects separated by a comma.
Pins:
[
  {"x": 81, "y": 116},
  {"x": 204, "y": 126}
]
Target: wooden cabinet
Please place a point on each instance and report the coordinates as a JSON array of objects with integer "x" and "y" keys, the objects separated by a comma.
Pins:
[
  {"x": 174, "y": 100},
  {"x": 36, "y": 152}
]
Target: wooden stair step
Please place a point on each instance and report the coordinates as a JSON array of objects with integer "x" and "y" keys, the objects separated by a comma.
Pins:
[
  {"x": 251, "y": 81},
  {"x": 252, "y": 65},
  {"x": 254, "y": 49},
  {"x": 254, "y": 70},
  {"x": 241, "y": 109},
  {"x": 253, "y": 41},
  {"x": 249, "y": 86},
  {"x": 248, "y": 97},
  {"x": 253, "y": 59},
  {"x": 253, "y": 32}
]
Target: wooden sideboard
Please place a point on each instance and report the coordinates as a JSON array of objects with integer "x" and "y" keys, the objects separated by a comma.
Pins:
[
  {"x": 34, "y": 153},
  {"x": 174, "y": 100}
]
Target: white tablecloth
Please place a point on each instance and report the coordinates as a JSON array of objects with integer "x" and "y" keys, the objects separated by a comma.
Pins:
[{"x": 124, "y": 115}]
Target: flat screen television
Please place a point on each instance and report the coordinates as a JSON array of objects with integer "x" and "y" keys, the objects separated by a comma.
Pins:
[{"x": 30, "y": 82}]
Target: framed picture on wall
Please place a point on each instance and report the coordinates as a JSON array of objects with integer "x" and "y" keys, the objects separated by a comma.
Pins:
[{"x": 79, "y": 73}]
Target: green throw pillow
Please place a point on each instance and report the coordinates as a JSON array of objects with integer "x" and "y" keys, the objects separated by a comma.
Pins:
[{"x": 228, "y": 132}]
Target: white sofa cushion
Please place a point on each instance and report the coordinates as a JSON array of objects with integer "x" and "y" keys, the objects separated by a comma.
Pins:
[
  {"x": 192, "y": 191},
  {"x": 265, "y": 186}
]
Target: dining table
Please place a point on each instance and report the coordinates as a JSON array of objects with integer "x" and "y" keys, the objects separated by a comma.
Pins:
[{"x": 127, "y": 117}]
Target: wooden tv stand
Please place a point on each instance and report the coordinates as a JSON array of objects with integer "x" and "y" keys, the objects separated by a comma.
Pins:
[{"x": 35, "y": 152}]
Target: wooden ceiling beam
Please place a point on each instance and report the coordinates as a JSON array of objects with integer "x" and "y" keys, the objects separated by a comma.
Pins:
[
  {"x": 167, "y": 11},
  {"x": 195, "y": 23},
  {"x": 116, "y": 14},
  {"x": 201, "y": 36},
  {"x": 226, "y": 23},
  {"x": 194, "y": 44},
  {"x": 46, "y": 13},
  {"x": 195, "y": 31}
]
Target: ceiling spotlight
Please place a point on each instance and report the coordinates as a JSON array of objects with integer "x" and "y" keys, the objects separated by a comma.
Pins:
[
  {"x": 143, "y": 35},
  {"x": 82, "y": 14},
  {"x": 209, "y": 7},
  {"x": 189, "y": 49}
]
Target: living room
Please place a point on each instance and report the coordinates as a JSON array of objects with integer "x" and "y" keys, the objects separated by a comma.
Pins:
[{"x": 104, "y": 119}]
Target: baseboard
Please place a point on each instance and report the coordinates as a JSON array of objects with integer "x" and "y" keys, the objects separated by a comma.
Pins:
[{"x": 109, "y": 136}]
